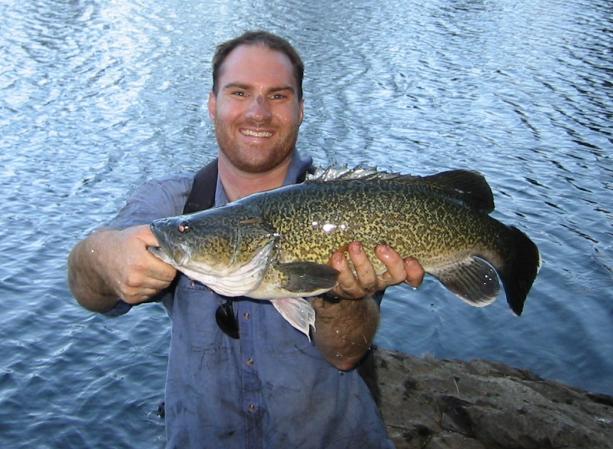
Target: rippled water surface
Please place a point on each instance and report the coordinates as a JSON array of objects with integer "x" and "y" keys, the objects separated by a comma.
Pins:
[{"x": 98, "y": 96}]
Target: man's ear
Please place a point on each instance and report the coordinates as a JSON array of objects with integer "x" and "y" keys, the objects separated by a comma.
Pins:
[
  {"x": 301, "y": 111},
  {"x": 212, "y": 104}
]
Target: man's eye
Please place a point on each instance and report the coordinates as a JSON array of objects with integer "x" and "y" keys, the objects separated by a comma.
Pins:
[
  {"x": 279, "y": 96},
  {"x": 238, "y": 93}
]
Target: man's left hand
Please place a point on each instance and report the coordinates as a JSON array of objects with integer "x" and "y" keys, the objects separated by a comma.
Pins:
[{"x": 366, "y": 281}]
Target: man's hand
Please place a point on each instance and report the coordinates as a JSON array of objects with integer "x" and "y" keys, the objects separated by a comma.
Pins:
[
  {"x": 365, "y": 281},
  {"x": 112, "y": 264},
  {"x": 344, "y": 330},
  {"x": 133, "y": 272}
]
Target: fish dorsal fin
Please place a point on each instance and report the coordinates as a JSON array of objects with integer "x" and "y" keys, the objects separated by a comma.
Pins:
[
  {"x": 346, "y": 174},
  {"x": 468, "y": 187}
]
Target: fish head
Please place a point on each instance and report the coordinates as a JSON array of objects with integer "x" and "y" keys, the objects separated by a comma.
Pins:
[{"x": 212, "y": 242}]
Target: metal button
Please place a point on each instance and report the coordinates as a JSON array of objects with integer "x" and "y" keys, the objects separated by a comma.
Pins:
[
  {"x": 246, "y": 316},
  {"x": 250, "y": 361},
  {"x": 252, "y": 408}
]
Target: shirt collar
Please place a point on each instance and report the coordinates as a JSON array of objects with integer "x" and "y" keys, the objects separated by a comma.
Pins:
[{"x": 298, "y": 165}]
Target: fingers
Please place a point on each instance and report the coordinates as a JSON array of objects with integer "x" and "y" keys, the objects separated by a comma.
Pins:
[
  {"x": 136, "y": 242},
  {"x": 156, "y": 268},
  {"x": 142, "y": 282},
  {"x": 399, "y": 270},
  {"x": 139, "y": 293},
  {"x": 363, "y": 279},
  {"x": 359, "y": 284},
  {"x": 159, "y": 270},
  {"x": 414, "y": 272},
  {"x": 366, "y": 276},
  {"x": 137, "y": 296},
  {"x": 145, "y": 234},
  {"x": 347, "y": 285},
  {"x": 394, "y": 264},
  {"x": 139, "y": 275}
]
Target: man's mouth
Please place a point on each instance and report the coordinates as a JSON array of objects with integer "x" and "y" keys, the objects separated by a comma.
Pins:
[{"x": 255, "y": 133}]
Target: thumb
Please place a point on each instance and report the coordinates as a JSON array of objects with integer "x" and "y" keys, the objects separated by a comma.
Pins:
[{"x": 144, "y": 233}]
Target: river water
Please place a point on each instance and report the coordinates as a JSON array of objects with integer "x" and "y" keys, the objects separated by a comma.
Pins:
[{"x": 96, "y": 96}]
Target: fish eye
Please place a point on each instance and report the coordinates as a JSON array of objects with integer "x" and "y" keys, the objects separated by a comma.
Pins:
[{"x": 183, "y": 227}]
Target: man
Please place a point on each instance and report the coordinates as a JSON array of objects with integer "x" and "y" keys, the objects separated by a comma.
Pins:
[{"x": 271, "y": 387}]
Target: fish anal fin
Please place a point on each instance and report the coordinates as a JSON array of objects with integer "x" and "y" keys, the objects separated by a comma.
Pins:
[
  {"x": 307, "y": 276},
  {"x": 472, "y": 279},
  {"x": 298, "y": 312}
]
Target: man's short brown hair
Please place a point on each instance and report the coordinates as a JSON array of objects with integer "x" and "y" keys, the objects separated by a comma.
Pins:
[{"x": 270, "y": 40}]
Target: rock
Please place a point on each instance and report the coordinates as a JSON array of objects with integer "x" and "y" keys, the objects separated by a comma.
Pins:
[{"x": 448, "y": 404}]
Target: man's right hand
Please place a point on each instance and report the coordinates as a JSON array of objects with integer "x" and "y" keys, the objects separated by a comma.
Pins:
[
  {"x": 133, "y": 272},
  {"x": 112, "y": 264}
]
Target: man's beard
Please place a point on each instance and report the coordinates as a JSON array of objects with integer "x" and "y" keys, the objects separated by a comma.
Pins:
[{"x": 241, "y": 158}]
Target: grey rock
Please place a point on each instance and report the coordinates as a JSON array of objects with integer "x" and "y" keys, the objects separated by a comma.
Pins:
[{"x": 448, "y": 404}]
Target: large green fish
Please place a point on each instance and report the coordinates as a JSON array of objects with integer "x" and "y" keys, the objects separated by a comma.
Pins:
[{"x": 275, "y": 245}]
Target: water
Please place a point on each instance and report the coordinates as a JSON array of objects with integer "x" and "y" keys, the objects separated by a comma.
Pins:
[{"x": 97, "y": 96}]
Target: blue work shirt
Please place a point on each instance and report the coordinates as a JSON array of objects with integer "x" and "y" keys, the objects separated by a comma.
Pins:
[{"x": 269, "y": 389}]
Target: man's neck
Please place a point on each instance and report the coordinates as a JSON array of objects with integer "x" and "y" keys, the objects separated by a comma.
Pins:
[{"x": 238, "y": 184}]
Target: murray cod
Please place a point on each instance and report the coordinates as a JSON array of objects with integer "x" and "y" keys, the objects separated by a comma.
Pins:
[{"x": 275, "y": 245}]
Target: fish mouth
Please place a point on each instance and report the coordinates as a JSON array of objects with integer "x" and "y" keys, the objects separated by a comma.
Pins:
[
  {"x": 158, "y": 252},
  {"x": 158, "y": 233},
  {"x": 163, "y": 251}
]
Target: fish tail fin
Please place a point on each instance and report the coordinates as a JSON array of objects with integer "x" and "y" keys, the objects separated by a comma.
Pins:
[{"x": 520, "y": 268}]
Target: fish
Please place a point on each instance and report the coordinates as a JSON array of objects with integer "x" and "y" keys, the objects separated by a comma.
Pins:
[{"x": 275, "y": 245}]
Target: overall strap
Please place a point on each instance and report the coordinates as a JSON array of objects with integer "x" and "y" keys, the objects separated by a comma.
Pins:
[
  {"x": 202, "y": 195},
  {"x": 307, "y": 171}
]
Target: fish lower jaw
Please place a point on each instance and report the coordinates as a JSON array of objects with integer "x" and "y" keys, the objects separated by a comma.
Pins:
[
  {"x": 232, "y": 280},
  {"x": 223, "y": 282}
]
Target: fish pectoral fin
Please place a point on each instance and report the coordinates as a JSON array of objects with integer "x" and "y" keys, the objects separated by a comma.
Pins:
[
  {"x": 304, "y": 277},
  {"x": 298, "y": 312},
  {"x": 473, "y": 279}
]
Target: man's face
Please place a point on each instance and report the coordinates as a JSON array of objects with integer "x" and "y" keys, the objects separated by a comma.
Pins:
[{"x": 256, "y": 110}]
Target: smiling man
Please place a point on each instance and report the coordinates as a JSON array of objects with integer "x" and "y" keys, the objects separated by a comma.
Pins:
[
  {"x": 262, "y": 385},
  {"x": 257, "y": 111}
]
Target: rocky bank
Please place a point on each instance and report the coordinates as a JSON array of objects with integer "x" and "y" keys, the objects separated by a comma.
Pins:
[{"x": 447, "y": 404}]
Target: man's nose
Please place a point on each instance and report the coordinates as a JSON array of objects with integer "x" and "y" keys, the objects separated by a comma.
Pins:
[{"x": 259, "y": 109}]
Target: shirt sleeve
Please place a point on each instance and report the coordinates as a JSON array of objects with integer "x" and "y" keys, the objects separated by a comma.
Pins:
[{"x": 154, "y": 199}]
